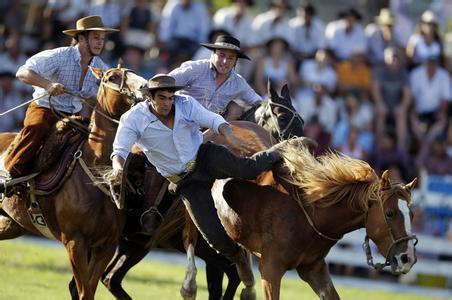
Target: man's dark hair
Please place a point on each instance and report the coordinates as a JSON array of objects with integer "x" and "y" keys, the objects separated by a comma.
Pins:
[{"x": 153, "y": 92}]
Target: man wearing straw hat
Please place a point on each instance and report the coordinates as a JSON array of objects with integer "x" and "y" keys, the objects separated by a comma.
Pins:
[{"x": 50, "y": 72}]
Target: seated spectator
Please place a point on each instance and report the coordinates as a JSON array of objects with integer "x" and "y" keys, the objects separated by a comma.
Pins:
[
  {"x": 318, "y": 71},
  {"x": 354, "y": 75},
  {"x": 426, "y": 42},
  {"x": 430, "y": 87},
  {"x": 351, "y": 147},
  {"x": 183, "y": 26},
  {"x": 272, "y": 23},
  {"x": 318, "y": 104},
  {"x": 391, "y": 93},
  {"x": 276, "y": 65},
  {"x": 10, "y": 97},
  {"x": 139, "y": 25},
  {"x": 386, "y": 154},
  {"x": 134, "y": 59},
  {"x": 354, "y": 112},
  {"x": 433, "y": 156},
  {"x": 307, "y": 32},
  {"x": 381, "y": 35},
  {"x": 313, "y": 129},
  {"x": 12, "y": 58},
  {"x": 345, "y": 34},
  {"x": 236, "y": 19}
]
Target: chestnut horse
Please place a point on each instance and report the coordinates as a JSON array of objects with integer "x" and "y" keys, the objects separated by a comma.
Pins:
[
  {"x": 281, "y": 121},
  {"x": 294, "y": 223},
  {"x": 79, "y": 214}
]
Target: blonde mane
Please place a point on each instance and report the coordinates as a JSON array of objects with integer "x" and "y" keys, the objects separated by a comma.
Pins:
[{"x": 330, "y": 178}]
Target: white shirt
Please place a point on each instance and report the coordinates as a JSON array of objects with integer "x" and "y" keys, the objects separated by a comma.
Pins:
[
  {"x": 263, "y": 29},
  {"x": 421, "y": 50},
  {"x": 224, "y": 18},
  {"x": 169, "y": 150},
  {"x": 303, "y": 41},
  {"x": 326, "y": 112},
  {"x": 429, "y": 94},
  {"x": 344, "y": 43},
  {"x": 310, "y": 72}
]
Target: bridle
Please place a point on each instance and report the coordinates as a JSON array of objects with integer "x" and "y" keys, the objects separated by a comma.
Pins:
[
  {"x": 131, "y": 98},
  {"x": 279, "y": 131},
  {"x": 366, "y": 245},
  {"x": 394, "y": 242}
]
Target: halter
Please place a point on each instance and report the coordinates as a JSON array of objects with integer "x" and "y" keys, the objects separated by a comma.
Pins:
[
  {"x": 395, "y": 242},
  {"x": 131, "y": 98},
  {"x": 280, "y": 132}
]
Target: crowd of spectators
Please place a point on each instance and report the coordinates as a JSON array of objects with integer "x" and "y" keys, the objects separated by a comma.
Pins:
[{"x": 378, "y": 90}]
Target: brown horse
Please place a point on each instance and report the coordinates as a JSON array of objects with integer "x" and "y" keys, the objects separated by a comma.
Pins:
[
  {"x": 79, "y": 214},
  {"x": 294, "y": 224}
]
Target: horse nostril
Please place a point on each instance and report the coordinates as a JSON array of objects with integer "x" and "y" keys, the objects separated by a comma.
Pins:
[{"x": 405, "y": 258}]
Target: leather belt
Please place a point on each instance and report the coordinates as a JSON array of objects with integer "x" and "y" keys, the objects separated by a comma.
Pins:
[{"x": 190, "y": 166}]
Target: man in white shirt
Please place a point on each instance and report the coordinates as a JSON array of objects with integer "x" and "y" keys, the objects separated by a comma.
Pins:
[{"x": 167, "y": 129}]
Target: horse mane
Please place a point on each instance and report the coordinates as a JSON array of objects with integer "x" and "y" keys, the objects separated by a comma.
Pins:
[{"x": 330, "y": 178}]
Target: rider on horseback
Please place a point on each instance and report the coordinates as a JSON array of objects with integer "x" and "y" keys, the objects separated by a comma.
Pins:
[
  {"x": 50, "y": 72},
  {"x": 167, "y": 129},
  {"x": 214, "y": 83}
]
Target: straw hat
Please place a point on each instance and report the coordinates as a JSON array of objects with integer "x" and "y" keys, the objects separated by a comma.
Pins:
[
  {"x": 429, "y": 17},
  {"x": 162, "y": 81},
  {"x": 90, "y": 23},
  {"x": 385, "y": 17},
  {"x": 227, "y": 42}
]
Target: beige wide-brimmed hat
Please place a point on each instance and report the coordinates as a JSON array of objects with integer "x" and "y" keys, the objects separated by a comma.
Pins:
[
  {"x": 90, "y": 23},
  {"x": 429, "y": 17},
  {"x": 162, "y": 81},
  {"x": 385, "y": 17}
]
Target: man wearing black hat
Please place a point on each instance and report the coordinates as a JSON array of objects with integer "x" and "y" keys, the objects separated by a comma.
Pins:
[
  {"x": 214, "y": 83},
  {"x": 167, "y": 130},
  {"x": 50, "y": 72}
]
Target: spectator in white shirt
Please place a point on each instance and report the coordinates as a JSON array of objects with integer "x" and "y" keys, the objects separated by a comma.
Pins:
[
  {"x": 306, "y": 32},
  {"x": 271, "y": 23},
  {"x": 345, "y": 34},
  {"x": 381, "y": 35},
  {"x": 430, "y": 87}
]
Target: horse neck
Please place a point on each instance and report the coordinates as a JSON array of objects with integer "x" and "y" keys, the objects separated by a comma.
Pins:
[{"x": 101, "y": 136}]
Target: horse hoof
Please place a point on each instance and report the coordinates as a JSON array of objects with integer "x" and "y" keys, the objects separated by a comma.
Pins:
[
  {"x": 188, "y": 294},
  {"x": 248, "y": 293}
]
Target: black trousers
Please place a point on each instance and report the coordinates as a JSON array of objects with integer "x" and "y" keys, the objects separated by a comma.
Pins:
[{"x": 217, "y": 162}]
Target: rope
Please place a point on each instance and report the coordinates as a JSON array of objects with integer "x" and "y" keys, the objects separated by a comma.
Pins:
[{"x": 20, "y": 105}]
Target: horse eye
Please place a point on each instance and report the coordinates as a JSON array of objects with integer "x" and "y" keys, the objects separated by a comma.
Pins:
[
  {"x": 389, "y": 214},
  {"x": 112, "y": 78}
]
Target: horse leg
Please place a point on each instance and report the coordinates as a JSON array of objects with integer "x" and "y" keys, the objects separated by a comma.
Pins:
[
  {"x": 73, "y": 289},
  {"x": 78, "y": 256},
  {"x": 214, "y": 277},
  {"x": 318, "y": 277},
  {"x": 127, "y": 256},
  {"x": 99, "y": 260},
  {"x": 190, "y": 237},
  {"x": 271, "y": 272},
  {"x": 9, "y": 229}
]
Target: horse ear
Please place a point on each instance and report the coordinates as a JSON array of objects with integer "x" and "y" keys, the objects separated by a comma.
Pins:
[
  {"x": 285, "y": 93},
  {"x": 98, "y": 73},
  {"x": 271, "y": 91},
  {"x": 385, "y": 183},
  {"x": 411, "y": 185},
  {"x": 120, "y": 63}
]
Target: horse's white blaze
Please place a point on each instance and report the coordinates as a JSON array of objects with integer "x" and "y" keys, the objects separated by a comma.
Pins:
[{"x": 403, "y": 207}]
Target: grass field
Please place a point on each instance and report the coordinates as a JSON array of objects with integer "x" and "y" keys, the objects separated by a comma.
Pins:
[{"x": 30, "y": 271}]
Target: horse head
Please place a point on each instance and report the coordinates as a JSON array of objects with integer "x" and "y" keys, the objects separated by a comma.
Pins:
[
  {"x": 279, "y": 116},
  {"x": 389, "y": 226},
  {"x": 119, "y": 89}
]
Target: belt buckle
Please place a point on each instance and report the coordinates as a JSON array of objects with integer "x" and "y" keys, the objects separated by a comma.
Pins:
[{"x": 190, "y": 165}]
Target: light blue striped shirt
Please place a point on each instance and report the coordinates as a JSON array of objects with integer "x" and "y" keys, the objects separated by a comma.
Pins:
[
  {"x": 199, "y": 78},
  {"x": 62, "y": 65},
  {"x": 169, "y": 150}
]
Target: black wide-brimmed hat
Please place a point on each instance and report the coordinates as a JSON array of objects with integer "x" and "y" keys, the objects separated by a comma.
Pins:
[
  {"x": 162, "y": 82},
  {"x": 229, "y": 43}
]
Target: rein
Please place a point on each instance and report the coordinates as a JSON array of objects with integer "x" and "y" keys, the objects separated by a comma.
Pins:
[{"x": 280, "y": 132}]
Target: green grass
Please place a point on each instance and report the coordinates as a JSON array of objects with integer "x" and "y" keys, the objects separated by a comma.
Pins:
[{"x": 30, "y": 271}]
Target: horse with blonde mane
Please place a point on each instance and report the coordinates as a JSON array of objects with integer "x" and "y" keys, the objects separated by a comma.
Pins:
[
  {"x": 291, "y": 217},
  {"x": 78, "y": 213}
]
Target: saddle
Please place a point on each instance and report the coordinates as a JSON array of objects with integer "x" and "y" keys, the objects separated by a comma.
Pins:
[{"x": 57, "y": 154}]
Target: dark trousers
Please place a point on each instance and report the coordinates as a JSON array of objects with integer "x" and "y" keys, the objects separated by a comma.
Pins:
[{"x": 217, "y": 162}]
